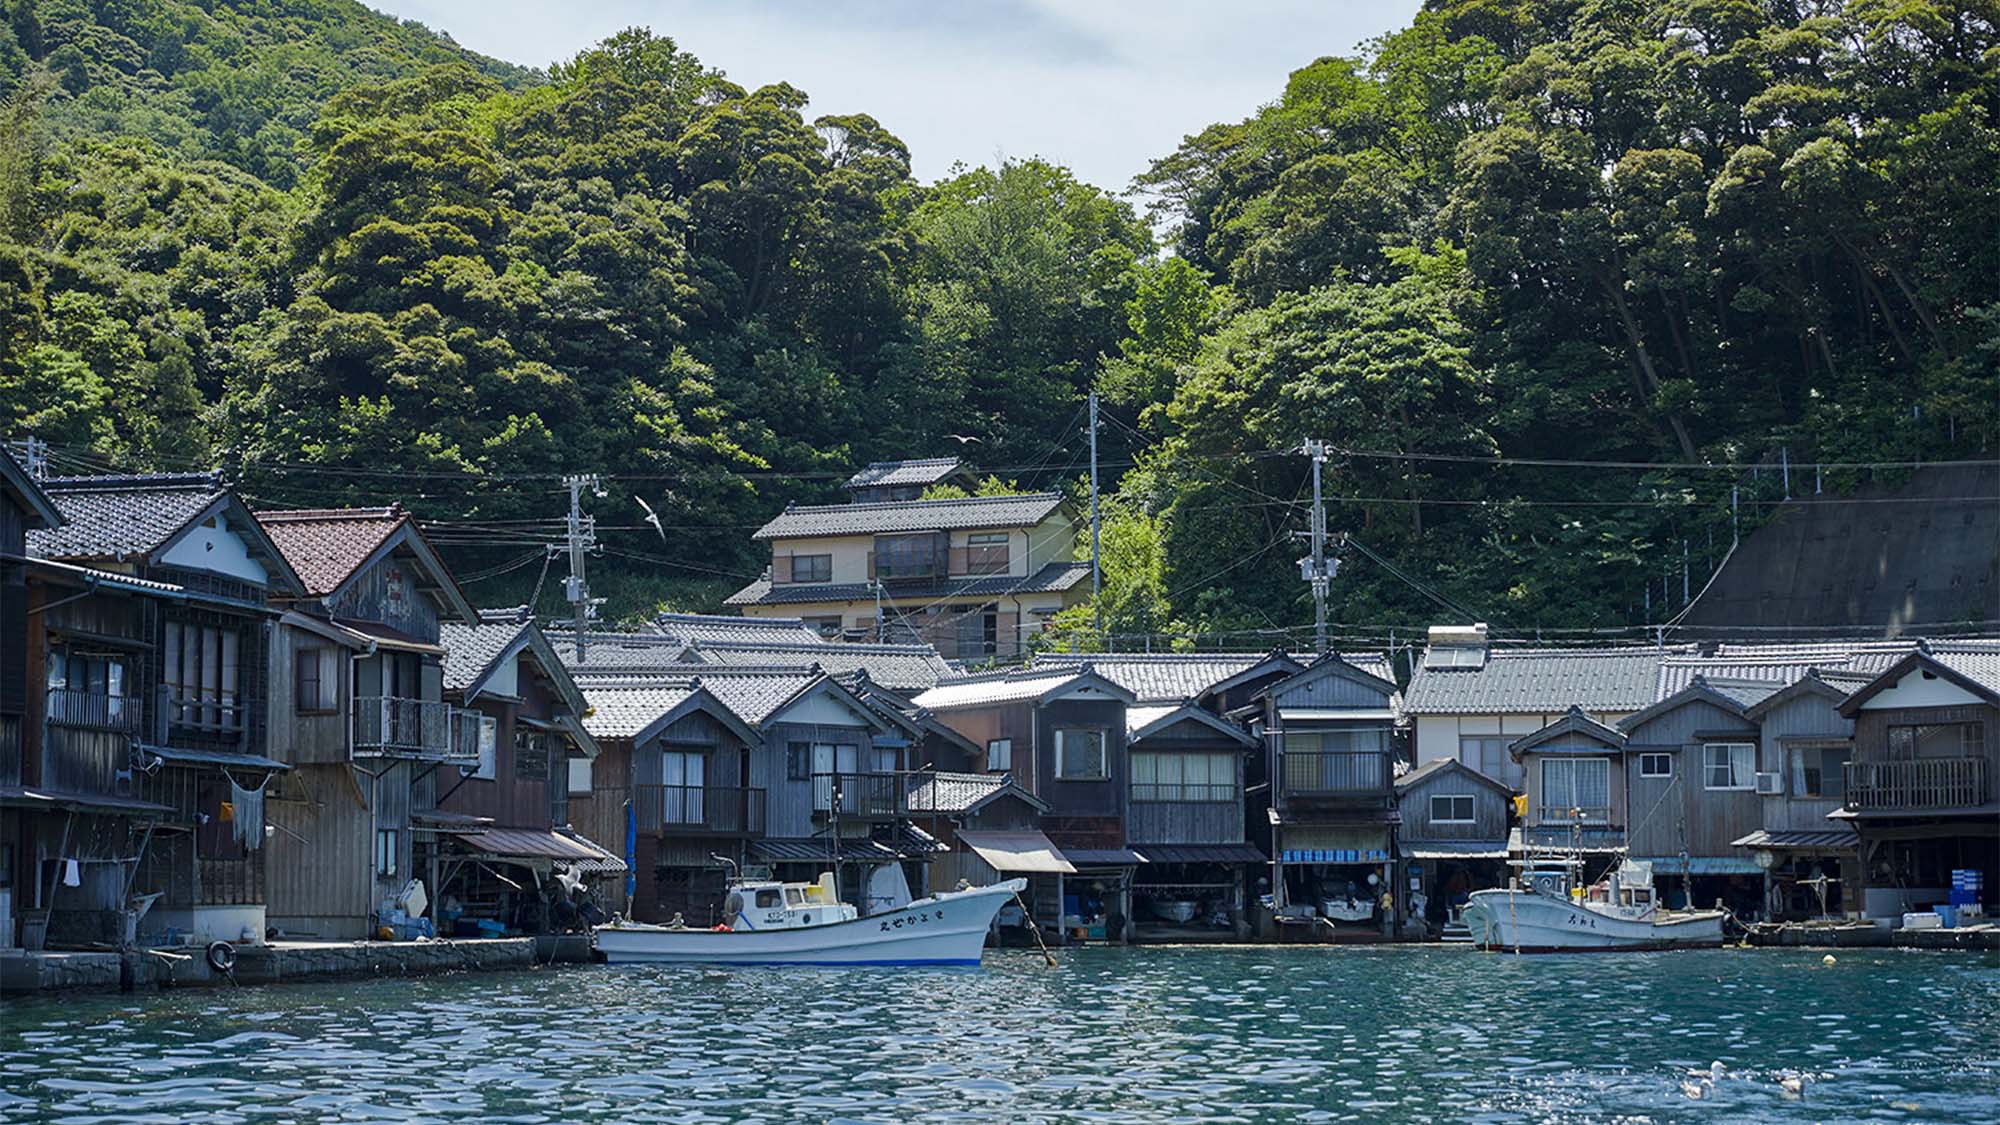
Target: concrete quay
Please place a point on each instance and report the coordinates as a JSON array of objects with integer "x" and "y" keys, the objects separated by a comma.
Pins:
[{"x": 273, "y": 962}]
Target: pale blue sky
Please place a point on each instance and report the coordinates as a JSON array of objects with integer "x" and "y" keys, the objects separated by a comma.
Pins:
[{"x": 1102, "y": 87}]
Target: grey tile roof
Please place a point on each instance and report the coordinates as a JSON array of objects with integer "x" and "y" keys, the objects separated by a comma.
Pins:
[
  {"x": 986, "y": 689},
  {"x": 1978, "y": 661},
  {"x": 1165, "y": 677},
  {"x": 755, "y": 694},
  {"x": 1787, "y": 663},
  {"x": 882, "y": 474},
  {"x": 124, "y": 515},
  {"x": 1055, "y": 577},
  {"x": 471, "y": 649},
  {"x": 942, "y": 792},
  {"x": 688, "y": 628},
  {"x": 618, "y": 652},
  {"x": 1541, "y": 681},
  {"x": 751, "y": 694},
  {"x": 908, "y": 668},
  {"x": 623, "y": 708},
  {"x": 911, "y": 515}
]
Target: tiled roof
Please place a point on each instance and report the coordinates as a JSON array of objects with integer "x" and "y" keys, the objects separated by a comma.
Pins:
[
  {"x": 619, "y": 652},
  {"x": 911, "y": 515},
  {"x": 690, "y": 627},
  {"x": 942, "y": 792},
  {"x": 755, "y": 694},
  {"x": 1055, "y": 577},
  {"x": 1162, "y": 677},
  {"x": 1541, "y": 681},
  {"x": 623, "y": 708},
  {"x": 989, "y": 688},
  {"x": 1786, "y": 663},
  {"x": 471, "y": 649},
  {"x": 1746, "y": 693},
  {"x": 326, "y": 545},
  {"x": 1978, "y": 661},
  {"x": 132, "y": 514},
  {"x": 882, "y": 474},
  {"x": 897, "y": 667}
]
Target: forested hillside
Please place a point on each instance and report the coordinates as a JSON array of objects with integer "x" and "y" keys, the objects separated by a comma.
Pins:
[{"x": 349, "y": 261}]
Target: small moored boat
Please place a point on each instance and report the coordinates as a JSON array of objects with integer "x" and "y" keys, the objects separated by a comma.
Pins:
[
  {"x": 775, "y": 923},
  {"x": 1619, "y": 913}
]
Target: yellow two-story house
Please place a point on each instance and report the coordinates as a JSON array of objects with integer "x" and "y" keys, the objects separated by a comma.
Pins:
[{"x": 974, "y": 577}]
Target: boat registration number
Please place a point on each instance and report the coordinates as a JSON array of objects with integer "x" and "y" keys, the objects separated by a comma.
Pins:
[{"x": 919, "y": 918}]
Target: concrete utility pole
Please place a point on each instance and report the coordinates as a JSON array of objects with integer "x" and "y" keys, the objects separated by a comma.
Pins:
[
  {"x": 1096, "y": 571},
  {"x": 1315, "y": 569},
  {"x": 35, "y": 458},
  {"x": 582, "y": 536}
]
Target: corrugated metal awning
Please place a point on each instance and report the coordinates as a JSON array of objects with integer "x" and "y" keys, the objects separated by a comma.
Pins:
[
  {"x": 1701, "y": 865},
  {"x": 1201, "y": 853},
  {"x": 538, "y": 843},
  {"x": 1799, "y": 838},
  {"x": 910, "y": 842},
  {"x": 1103, "y": 857},
  {"x": 1455, "y": 849},
  {"x": 1027, "y": 852},
  {"x": 179, "y": 755}
]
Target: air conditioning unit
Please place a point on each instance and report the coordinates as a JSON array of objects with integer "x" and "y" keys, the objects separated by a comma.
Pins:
[{"x": 1771, "y": 784}]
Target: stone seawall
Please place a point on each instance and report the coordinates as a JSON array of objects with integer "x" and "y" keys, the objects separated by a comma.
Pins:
[{"x": 22, "y": 972}]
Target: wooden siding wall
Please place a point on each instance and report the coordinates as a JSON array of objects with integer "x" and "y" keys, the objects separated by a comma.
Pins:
[
  {"x": 1081, "y": 798},
  {"x": 1013, "y": 721},
  {"x": 788, "y": 809},
  {"x": 321, "y": 859},
  {"x": 511, "y": 800},
  {"x": 319, "y": 738},
  {"x": 1189, "y": 822},
  {"x": 600, "y": 817},
  {"x": 68, "y": 758},
  {"x": 1871, "y": 729},
  {"x": 1669, "y": 814},
  {"x": 367, "y": 599},
  {"x": 1489, "y": 810},
  {"x": 1807, "y": 717},
  {"x": 1328, "y": 690}
]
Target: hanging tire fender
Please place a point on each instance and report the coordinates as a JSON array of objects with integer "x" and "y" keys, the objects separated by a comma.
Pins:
[{"x": 221, "y": 956}]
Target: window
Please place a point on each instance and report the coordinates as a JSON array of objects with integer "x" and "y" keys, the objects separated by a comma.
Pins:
[
  {"x": 1819, "y": 771},
  {"x": 798, "y": 761},
  {"x": 1205, "y": 777},
  {"x": 1080, "y": 755},
  {"x": 1576, "y": 788},
  {"x": 1000, "y": 754},
  {"x": 906, "y": 556},
  {"x": 1357, "y": 740},
  {"x": 1487, "y": 753},
  {"x": 828, "y": 627},
  {"x": 985, "y": 553},
  {"x": 579, "y": 777},
  {"x": 1656, "y": 765},
  {"x": 769, "y": 898},
  {"x": 489, "y": 737},
  {"x": 1937, "y": 740},
  {"x": 387, "y": 845},
  {"x": 531, "y": 755},
  {"x": 977, "y": 632},
  {"x": 812, "y": 568},
  {"x": 88, "y": 689},
  {"x": 829, "y": 760},
  {"x": 684, "y": 780},
  {"x": 1729, "y": 765},
  {"x": 317, "y": 679},
  {"x": 1451, "y": 808},
  {"x": 199, "y": 666}
]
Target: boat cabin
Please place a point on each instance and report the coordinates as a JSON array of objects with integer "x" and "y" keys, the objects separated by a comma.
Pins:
[{"x": 784, "y": 906}]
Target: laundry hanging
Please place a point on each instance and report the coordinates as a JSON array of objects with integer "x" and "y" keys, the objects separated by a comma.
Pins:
[{"x": 247, "y": 806}]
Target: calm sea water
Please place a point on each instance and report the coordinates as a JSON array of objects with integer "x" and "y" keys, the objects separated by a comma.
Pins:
[{"x": 1400, "y": 1034}]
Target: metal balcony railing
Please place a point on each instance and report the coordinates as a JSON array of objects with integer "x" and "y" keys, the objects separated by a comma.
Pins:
[
  {"x": 96, "y": 710},
  {"x": 870, "y": 794},
  {"x": 1925, "y": 783},
  {"x": 1334, "y": 773},
  {"x": 387, "y": 726},
  {"x": 208, "y": 711},
  {"x": 728, "y": 810}
]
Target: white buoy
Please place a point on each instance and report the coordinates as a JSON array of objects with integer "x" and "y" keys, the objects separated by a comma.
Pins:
[
  {"x": 1826, "y": 960},
  {"x": 1794, "y": 1085}
]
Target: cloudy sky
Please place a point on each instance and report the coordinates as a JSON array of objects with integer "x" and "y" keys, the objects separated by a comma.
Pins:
[{"x": 1104, "y": 86}]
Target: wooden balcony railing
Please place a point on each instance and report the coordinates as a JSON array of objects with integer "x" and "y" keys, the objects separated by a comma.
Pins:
[
  {"x": 723, "y": 810},
  {"x": 1176, "y": 793},
  {"x": 96, "y": 710},
  {"x": 1334, "y": 773},
  {"x": 1925, "y": 783},
  {"x": 882, "y": 794},
  {"x": 203, "y": 711}
]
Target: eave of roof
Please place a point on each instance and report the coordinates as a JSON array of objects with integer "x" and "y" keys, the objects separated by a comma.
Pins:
[
  {"x": 826, "y": 521},
  {"x": 28, "y": 494}
]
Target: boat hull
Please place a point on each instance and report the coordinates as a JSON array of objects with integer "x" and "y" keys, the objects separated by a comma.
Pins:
[
  {"x": 1525, "y": 922},
  {"x": 946, "y": 929}
]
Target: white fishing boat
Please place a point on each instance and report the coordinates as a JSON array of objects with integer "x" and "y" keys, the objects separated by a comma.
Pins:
[
  {"x": 774, "y": 923},
  {"x": 1620, "y": 913}
]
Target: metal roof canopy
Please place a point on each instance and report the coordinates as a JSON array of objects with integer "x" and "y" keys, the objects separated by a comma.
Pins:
[{"x": 1028, "y": 852}]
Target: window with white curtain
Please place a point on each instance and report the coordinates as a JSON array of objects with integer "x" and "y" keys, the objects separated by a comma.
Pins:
[
  {"x": 683, "y": 774},
  {"x": 1579, "y": 787},
  {"x": 1729, "y": 765},
  {"x": 1183, "y": 777}
]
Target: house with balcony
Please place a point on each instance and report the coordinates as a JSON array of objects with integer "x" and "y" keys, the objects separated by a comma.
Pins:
[
  {"x": 974, "y": 578},
  {"x": 149, "y": 742},
  {"x": 1809, "y": 862},
  {"x": 1919, "y": 785},
  {"x": 23, "y": 505},
  {"x": 359, "y": 713},
  {"x": 780, "y": 768},
  {"x": 1331, "y": 742},
  {"x": 1061, "y": 734},
  {"x": 495, "y": 833}
]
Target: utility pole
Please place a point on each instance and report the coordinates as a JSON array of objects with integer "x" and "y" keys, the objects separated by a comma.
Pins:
[
  {"x": 1096, "y": 571},
  {"x": 582, "y": 536},
  {"x": 1317, "y": 569},
  {"x": 35, "y": 458}
]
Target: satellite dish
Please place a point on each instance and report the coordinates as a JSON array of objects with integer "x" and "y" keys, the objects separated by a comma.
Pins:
[{"x": 1766, "y": 858}]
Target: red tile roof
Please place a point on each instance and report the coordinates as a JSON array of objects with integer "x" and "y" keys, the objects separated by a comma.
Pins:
[{"x": 326, "y": 545}]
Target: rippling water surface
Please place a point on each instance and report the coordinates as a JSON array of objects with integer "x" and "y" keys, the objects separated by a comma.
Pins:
[{"x": 1261, "y": 1034}]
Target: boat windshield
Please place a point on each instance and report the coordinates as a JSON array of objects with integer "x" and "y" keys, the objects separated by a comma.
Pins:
[
  {"x": 794, "y": 896},
  {"x": 768, "y": 898}
]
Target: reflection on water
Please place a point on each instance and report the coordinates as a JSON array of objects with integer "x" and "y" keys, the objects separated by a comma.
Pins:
[{"x": 1165, "y": 1034}]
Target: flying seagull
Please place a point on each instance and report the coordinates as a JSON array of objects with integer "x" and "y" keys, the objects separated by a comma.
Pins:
[
  {"x": 962, "y": 439},
  {"x": 652, "y": 517}
]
